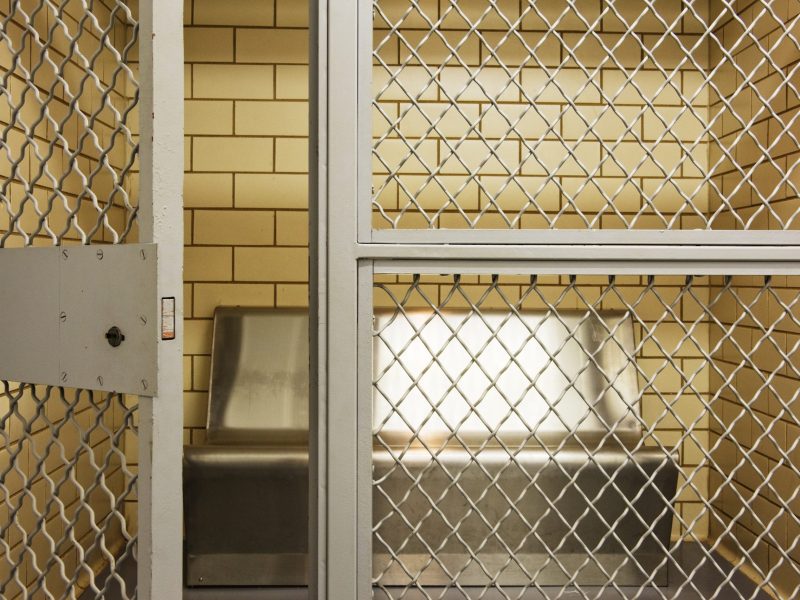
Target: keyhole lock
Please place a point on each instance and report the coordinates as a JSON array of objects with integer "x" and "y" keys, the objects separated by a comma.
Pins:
[{"x": 115, "y": 336}]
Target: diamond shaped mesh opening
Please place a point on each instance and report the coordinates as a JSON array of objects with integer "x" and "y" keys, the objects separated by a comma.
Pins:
[
  {"x": 68, "y": 458},
  {"x": 585, "y": 436},
  {"x": 67, "y": 491},
  {"x": 585, "y": 114},
  {"x": 67, "y": 115}
]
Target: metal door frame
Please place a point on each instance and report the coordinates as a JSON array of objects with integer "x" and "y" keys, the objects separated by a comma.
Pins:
[
  {"x": 160, "y": 492},
  {"x": 346, "y": 252}
]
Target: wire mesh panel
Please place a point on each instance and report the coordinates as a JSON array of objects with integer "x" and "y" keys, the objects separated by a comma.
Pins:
[
  {"x": 585, "y": 114},
  {"x": 585, "y": 436},
  {"x": 67, "y": 119},
  {"x": 68, "y": 487},
  {"x": 68, "y": 458}
]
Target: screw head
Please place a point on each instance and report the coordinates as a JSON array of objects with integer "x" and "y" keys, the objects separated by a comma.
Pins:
[
  {"x": 62, "y": 316},
  {"x": 65, "y": 254},
  {"x": 63, "y": 375},
  {"x": 144, "y": 384},
  {"x": 100, "y": 379},
  {"x": 99, "y": 255}
]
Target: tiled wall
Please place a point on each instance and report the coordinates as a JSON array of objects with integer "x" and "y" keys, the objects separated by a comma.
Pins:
[
  {"x": 53, "y": 441},
  {"x": 754, "y": 368},
  {"x": 755, "y": 179},
  {"x": 246, "y": 188},
  {"x": 755, "y": 429}
]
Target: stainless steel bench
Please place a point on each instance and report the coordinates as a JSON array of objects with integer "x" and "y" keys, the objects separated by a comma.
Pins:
[
  {"x": 246, "y": 490},
  {"x": 568, "y": 461}
]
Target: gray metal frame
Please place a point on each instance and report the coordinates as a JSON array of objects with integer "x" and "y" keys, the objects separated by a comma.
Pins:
[
  {"x": 160, "y": 546},
  {"x": 334, "y": 439},
  {"x": 349, "y": 252},
  {"x": 317, "y": 442}
]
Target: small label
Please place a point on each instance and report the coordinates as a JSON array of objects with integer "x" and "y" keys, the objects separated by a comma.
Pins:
[{"x": 168, "y": 318}]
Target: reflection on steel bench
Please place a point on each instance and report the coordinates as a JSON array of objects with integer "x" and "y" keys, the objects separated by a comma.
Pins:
[{"x": 512, "y": 456}]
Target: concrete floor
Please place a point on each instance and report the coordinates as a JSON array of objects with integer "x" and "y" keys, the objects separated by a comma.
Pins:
[{"x": 706, "y": 580}]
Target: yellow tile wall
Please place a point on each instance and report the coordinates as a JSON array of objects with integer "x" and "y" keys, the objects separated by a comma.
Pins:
[
  {"x": 755, "y": 370},
  {"x": 246, "y": 181},
  {"x": 572, "y": 79}
]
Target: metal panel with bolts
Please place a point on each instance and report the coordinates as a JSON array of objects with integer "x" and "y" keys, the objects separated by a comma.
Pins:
[
  {"x": 66, "y": 337},
  {"x": 102, "y": 289}
]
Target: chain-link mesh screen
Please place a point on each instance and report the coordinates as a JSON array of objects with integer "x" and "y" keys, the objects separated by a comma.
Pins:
[
  {"x": 593, "y": 437},
  {"x": 585, "y": 114},
  {"x": 68, "y": 458}
]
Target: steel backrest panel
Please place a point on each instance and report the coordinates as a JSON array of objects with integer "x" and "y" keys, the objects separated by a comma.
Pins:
[
  {"x": 584, "y": 387},
  {"x": 258, "y": 390}
]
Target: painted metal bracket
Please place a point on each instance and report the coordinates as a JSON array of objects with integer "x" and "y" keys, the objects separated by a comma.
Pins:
[{"x": 81, "y": 317}]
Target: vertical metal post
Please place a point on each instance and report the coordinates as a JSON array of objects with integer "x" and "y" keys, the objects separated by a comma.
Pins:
[
  {"x": 363, "y": 154},
  {"x": 160, "y": 549},
  {"x": 364, "y": 425},
  {"x": 318, "y": 309},
  {"x": 341, "y": 188}
]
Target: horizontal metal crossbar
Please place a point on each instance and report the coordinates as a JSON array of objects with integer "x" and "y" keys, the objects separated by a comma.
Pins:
[{"x": 604, "y": 259}]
